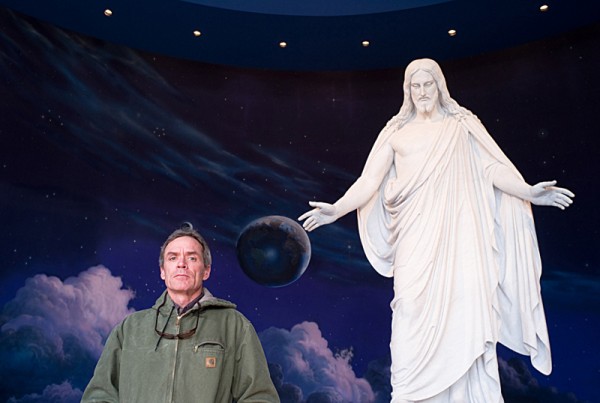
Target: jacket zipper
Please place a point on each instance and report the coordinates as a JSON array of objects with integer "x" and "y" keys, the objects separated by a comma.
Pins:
[{"x": 177, "y": 324}]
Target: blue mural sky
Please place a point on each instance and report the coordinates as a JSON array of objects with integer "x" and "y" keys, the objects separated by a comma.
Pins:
[{"x": 105, "y": 150}]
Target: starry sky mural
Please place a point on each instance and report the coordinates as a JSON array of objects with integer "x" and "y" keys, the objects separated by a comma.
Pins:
[{"x": 104, "y": 150}]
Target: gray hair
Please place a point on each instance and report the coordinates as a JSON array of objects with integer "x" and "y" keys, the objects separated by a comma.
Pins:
[{"x": 187, "y": 229}]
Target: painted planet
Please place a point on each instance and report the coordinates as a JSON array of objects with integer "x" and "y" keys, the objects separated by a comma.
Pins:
[{"x": 273, "y": 251}]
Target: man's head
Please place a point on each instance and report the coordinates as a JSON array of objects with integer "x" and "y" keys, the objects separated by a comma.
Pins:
[{"x": 185, "y": 262}]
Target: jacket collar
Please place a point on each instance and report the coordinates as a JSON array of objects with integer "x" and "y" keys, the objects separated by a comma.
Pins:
[{"x": 208, "y": 301}]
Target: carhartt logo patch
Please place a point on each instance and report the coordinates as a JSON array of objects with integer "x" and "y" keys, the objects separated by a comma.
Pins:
[{"x": 210, "y": 362}]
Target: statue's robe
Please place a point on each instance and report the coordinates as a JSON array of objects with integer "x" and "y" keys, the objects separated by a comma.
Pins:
[{"x": 466, "y": 268}]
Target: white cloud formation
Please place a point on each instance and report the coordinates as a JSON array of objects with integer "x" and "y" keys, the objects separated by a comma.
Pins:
[
  {"x": 53, "y": 332},
  {"x": 63, "y": 393},
  {"x": 307, "y": 361},
  {"x": 518, "y": 384},
  {"x": 86, "y": 307}
]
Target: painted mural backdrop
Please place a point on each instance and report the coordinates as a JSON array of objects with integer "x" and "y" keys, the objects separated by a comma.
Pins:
[{"x": 105, "y": 150}]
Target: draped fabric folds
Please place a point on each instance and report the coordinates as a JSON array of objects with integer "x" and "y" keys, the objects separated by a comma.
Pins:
[{"x": 465, "y": 263}]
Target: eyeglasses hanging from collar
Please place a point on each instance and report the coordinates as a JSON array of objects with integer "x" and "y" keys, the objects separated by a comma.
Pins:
[{"x": 171, "y": 336}]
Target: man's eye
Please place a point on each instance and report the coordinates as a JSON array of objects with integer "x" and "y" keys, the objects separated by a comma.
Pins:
[
  {"x": 193, "y": 258},
  {"x": 171, "y": 258}
]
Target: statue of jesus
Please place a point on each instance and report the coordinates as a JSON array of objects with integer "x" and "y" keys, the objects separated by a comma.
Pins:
[{"x": 444, "y": 212}]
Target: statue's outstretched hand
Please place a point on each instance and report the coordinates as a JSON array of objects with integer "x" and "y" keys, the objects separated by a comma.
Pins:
[
  {"x": 321, "y": 214},
  {"x": 546, "y": 194}
]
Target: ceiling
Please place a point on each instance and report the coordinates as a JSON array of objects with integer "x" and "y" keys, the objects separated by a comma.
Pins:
[{"x": 320, "y": 35}]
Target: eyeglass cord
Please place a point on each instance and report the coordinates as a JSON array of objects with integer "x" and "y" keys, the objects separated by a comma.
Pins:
[{"x": 164, "y": 327}]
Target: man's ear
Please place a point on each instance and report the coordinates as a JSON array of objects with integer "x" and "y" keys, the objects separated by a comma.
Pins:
[
  {"x": 162, "y": 273},
  {"x": 206, "y": 273}
]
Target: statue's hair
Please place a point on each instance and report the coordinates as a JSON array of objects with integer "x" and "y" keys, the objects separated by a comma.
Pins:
[
  {"x": 408, "y": 109},
  {"x": 187, "y": 229}
]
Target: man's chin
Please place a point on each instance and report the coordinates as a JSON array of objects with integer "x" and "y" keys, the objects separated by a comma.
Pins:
[{"x": 180, "y": 283}]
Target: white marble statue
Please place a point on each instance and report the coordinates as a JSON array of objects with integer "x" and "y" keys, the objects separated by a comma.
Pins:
[{"x": 444, "y": 212}]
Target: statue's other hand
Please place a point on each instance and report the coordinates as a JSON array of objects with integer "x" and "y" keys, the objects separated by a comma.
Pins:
[
  {"x": 547, "y": 194},
  {"x": 321, "y": 214}
]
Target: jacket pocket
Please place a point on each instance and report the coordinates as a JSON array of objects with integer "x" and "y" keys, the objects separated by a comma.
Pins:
[
  {"x": 210, "y": 354},
  {"x": 209, "y": 357},
  {"x": 202, "y": 373}
]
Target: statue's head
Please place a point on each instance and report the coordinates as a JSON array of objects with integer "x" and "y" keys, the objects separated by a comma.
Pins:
[
  {"x": 431, "y": 67},
  {"x": 446, "y": 103},
  {"x": 408, "y": 110}
]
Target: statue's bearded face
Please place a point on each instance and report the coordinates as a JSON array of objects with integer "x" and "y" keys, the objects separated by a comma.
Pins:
[{"x": 424, "y": 91}]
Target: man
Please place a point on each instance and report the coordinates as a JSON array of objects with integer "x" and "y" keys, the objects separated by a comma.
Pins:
[
  {"x": 189, "y": 347},
  {"x": 443, "y": 211}
]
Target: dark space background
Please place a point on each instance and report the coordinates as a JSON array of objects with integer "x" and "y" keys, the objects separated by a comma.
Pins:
[{"x": 104, "y": 150}]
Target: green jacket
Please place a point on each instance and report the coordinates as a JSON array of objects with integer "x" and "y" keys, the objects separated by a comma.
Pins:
[{"x": 223, "y": 361}]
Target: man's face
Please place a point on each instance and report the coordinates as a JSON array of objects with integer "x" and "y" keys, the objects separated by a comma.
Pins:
[
  {"x": 183, "y": 268},
  {"x": 423, "y": 91}
]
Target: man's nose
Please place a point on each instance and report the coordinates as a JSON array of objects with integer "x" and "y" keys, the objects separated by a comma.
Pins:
[{"x": 181, "y": 262}]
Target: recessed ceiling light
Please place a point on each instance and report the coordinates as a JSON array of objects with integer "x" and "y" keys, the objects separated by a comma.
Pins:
[
  {"x": 544, "y": 7},
  {"x": 197, "y": 33},
  {"x": 282, "y": 44},
  {"x": 366, "y": 43},
  {"x": 108, "y": 12},
  {"x": 452, "y": 32}
]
